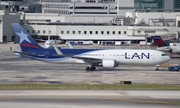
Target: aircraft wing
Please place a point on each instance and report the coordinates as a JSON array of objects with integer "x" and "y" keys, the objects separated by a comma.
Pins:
[
  {"x": 24, "y": 53},
  {"x": 88, "y": 59},
  {"x": 85, "y": 59}
]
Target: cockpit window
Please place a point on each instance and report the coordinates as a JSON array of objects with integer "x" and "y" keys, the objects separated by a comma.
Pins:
[{"x": 164, "y": 55}]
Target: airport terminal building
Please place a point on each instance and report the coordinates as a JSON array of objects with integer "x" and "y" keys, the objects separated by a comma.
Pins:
[
  {"x": 132, "y": 25},
  {"x": 68, "y": 7}
]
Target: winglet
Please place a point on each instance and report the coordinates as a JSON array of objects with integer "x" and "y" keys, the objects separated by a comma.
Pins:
[{"x": 70, "y": 46}]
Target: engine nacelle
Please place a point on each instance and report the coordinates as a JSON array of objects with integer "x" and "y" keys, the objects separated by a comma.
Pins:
[
  {"x": 174, "y": 50},
  {"x": 109, "y": 63}
]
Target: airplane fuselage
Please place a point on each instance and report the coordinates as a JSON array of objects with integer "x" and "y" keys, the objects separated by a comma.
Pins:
[{"x": 121, "y": 56}]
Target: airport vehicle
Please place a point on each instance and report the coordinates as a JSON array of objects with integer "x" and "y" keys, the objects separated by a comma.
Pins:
[
  {"x": 174, "y": 68},
  {"x": 106, "y": 58},
  {"x": 163, "y": 46}
]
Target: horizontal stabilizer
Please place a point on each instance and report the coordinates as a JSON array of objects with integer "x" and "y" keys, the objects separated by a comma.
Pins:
[{"x": 25, "y": 53}]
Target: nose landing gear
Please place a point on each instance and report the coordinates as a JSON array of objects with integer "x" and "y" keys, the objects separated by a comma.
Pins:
[{"x": 157, "y": 67}]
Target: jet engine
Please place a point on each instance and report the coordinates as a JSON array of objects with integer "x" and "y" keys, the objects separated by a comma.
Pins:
[
  {"x": 174, "y": 50},
  {"x": 109, "y": 63}
]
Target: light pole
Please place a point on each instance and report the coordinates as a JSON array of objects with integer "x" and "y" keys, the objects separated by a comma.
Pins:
[
  {"x": 0, "y": 4},
  {"x": 146, "y": 40}
]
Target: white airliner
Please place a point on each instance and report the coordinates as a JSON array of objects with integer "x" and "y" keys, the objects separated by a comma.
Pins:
[
  {"x": 49, "y": 43},
  {"x": 107, "y": 58},
  {"x": 162, "y": 46}
]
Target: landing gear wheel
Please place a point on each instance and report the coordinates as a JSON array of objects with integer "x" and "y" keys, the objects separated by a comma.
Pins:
[
  {"x": 87, "y": 68},
  {"x": 92, "y": 68},
  {"x": 157, "y": 69}
]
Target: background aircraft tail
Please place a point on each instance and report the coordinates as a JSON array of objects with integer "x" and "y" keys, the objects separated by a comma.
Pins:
[
  {"x": 25, "y": 41},
  {"x": 158, "y": 41}
]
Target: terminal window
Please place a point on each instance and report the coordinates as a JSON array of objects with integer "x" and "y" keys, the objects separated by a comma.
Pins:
[
  {"x": 73, "y": 32},
  {"x": 124, "y": 32},
  {"x": 149, "y": 4},
  {"x": 113, "y": 32},
  {"x": 102, "y": 32},
  {"x": 90, "y": 1},
  {"x": 85, "y": 32},
  {"x": 38, "y": 31},
  {"x": 33, "y": 31},
  {"x": 62, "y": 32},
  {"x": 119, "y": 32},
  {"x": 177, "y": 5},
  {"x": 44, "y": 31},
  {"x": 67, "y": 32},
  {"x": 96, "y": 32}
]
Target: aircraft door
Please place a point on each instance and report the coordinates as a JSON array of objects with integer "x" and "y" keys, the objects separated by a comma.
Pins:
[
  {"x": 153, "y": 56},
  {"x": 46, "y": 54}
]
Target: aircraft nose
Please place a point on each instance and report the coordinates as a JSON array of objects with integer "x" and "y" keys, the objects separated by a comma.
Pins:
[{"x": 167, "y": 58}]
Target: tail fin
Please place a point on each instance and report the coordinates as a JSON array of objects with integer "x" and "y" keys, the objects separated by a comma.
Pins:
[
  {"x": 26, "y": 42},
  {"x": 158, "y": 41}
]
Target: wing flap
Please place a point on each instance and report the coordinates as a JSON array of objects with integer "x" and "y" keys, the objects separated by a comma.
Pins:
[{"x": 88, "y": 59}]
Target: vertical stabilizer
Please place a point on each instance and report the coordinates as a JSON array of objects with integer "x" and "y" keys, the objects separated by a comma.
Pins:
[
  {"x": 158, "y": 41},
  {"x": 25, "y": 41}
]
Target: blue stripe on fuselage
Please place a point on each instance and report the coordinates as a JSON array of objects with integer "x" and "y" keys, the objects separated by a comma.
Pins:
[{"x": 51, "y": 53}]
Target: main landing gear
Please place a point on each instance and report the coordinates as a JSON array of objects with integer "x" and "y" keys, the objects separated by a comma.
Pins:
[{"x": 90, "y": 68}]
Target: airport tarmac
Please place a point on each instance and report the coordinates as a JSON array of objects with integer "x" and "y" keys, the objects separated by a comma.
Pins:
[
  {"x": 17, "y": 70},
  {"x": 89, "y": 99}
]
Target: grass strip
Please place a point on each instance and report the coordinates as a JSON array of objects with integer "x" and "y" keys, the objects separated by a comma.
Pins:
[{"x": 87, "y": 87}]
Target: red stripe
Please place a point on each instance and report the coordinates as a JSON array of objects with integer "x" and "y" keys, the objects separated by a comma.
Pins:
[
  {"x": 159, "y": 42},
  {"x": 29, "y": 45}
]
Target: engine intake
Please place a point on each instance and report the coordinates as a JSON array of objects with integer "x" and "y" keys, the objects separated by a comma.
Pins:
[
  {"x": 109, "y": 63},
  {"x": 174, "y": 50}
]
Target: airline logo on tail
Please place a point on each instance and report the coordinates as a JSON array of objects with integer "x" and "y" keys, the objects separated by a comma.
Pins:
[
  {"x": 23, "y": 37},
  {"x": 158, "y": 41},
  {"x": 25, "y": 40}
]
